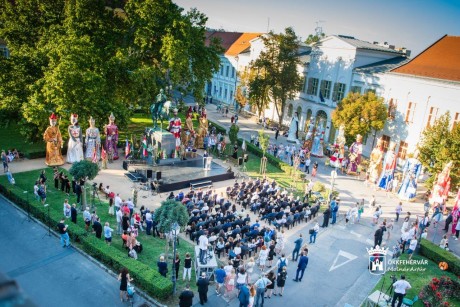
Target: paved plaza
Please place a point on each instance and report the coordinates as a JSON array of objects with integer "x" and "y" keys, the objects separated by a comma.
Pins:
[{"x": 337, "y": 272}]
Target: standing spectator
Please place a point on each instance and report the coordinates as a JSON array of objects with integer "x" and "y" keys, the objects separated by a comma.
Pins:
[
  {"x": 398, "y": 211},
  {"x": 263, "y": 255},
  {"x": 125, "y": 221},
  {"x": 243, "y": 296},
  {"x": 277, "y": 133},
  {"x": 203, "y": 284},
  {"x": 360, "y": 210},
  {"x": 43, "y": 177},
  {"x": 119, "y": 221},
  {"x": 87, "y": 218},
  {"x": 42, "y": 192},
  {"x": 65, "y": 240},
  {"x": 73, "y": 214},
  {"x": 400, "y": 287},
  {"x": 36, "y": 187},
  {"x": 378, "y": 236},
  {"x": 230, "y": 281},
  {"x": 446, "y": 225},
  {"x": 117, "y": 202},
  {"x": 313, "y": 233},
  {"x": 187, "y": 267},
  {"x": 220, "y": 279},
  {"x": 326, "y": 214},
  {"x": 186, "y": 297},
  {"x": 315, "y": 169},
  {"x": 241, "y": 278},
  {"x": 334, "y": 209},
  {"x": 74, "y": 183},
  {"x": 261, "y": 285},
  {"x": 124, "y": 278},
  {"x": 281, "y": 281},
  {"x": 250, "y": 267},
  {"x": 301, "y": 266},
  {"x": 457, "y": 230},
  {"x": 97, "y": 227},
  {"x": 272, "y": 277},
  {"x": 252, "y": 295},
  {"x": 162, "y": 266},
  {"x": 56, "y": 177},
  {"x": 66, "y": 185},
  {"x": 5, "y": 161},
  {"x": 203, "y": 244},
  {"x": 307, "y": 164},
  {"x": 298, "y": 244},
  {"x": 108, "y": 233},
  {"x": 177, "y": 265}
]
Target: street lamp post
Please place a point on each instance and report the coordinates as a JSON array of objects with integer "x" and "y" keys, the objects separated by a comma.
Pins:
[
  {"x": 333, "y": 177},
  {"x": 175, "y": 228}
]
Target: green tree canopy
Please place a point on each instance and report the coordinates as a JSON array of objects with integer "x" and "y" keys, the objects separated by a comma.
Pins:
[
  {"x": 314, "y": 38},
  {"x": 170, "y": 212},
  {"x": 360, "y": 114},
  {"x": 233, "y": 133},
  {"x": 264, "y": 140},
  {"x": 84, "y": 170},
  {"x": 279, "y": 64},
  {"x": 438, "y": 146},
  {"x": 85, "y": 57}
]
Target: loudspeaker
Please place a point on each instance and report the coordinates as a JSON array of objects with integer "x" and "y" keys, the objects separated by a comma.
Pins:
[
  {"x": 245, "y": 157},
  {"x": 149, "y": 174},
  {"x": 158, "y": 175},
  {"x": 240, "y": 161},
  {"x": 125, "y": 165}
]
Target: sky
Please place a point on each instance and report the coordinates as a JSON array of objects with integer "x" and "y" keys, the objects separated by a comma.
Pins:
[{"x": 414, "y": 24}]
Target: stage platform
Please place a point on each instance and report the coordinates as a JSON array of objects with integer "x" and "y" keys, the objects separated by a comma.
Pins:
[
  {"x": 207, "y": 268},
  {"x": 177, "y": 175}
]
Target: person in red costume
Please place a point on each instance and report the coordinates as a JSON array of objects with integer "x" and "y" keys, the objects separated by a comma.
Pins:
[
  {"x": 175, "y": 127},
  {"x": 441, "y": 186}
]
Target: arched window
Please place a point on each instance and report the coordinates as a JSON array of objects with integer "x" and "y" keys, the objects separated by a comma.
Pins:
[
  {"x": 290, "y": 110},
  {"x": 299, "y": 111}
]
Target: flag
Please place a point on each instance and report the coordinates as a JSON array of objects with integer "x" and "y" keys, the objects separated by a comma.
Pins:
[
  {"x": 321, "y": 96},
  {"x": 94, "y": 158},
  {"x": 127, "y": 149},
  {"x": 145, "y": 153}
]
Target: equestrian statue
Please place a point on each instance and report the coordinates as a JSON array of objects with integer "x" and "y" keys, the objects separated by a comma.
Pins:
[{"x": 160, "y": 109}]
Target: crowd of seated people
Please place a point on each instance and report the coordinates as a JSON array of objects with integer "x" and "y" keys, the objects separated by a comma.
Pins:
[{"x": 231, "y": 231}]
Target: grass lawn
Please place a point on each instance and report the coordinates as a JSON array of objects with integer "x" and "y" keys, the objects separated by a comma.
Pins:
[
  {"x": 10, "y": 138},
  {"x": 152, "y": 247},
  {"x": 417, "y": 279}
]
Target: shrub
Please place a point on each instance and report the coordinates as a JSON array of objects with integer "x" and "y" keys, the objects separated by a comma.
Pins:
[
  {"x": 437, "y": 254},
  {"x": 438, "y": 291}
]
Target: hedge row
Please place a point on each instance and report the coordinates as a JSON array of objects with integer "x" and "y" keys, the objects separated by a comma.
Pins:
[
  {"x": 145, "y": 277},
  {"x": 437, "y": 254}
]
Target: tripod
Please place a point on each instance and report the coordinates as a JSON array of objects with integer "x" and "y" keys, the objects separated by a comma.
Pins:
[{"x": 49, "y": 221}]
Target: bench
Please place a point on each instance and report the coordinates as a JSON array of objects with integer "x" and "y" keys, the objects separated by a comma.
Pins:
[{"x": 201, "y": 184}]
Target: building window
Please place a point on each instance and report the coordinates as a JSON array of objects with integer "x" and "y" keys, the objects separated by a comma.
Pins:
[
  {"x": 220, "y": 91},
  {"x": 312, "y": 88},
  {"x": 355, "y": 89},
  {"x": 227, "y": 70},
  {"x": 4, "y": 52},
  {"x": 290, "y": 110},
  {"x": 456, "y": 120},
  {"x": 221, "y": 70},
  {"x": 231, "y": 95},
  {"x": 302, "y": 89},
  {"x": 432, "y": 117},
  {"x": 386, "y": 142},
  {"x": 410, "y": 112},
  {"x": 325, "y": 89},
  {"x": 233, "y": 72},
  {"x": 392, "y": 107},
  {"x": 299, "y": 111},
  {"x": 402, "y": 150},
  {"x": 225, "y": 94},
  {"x": 339, "y": 92}
]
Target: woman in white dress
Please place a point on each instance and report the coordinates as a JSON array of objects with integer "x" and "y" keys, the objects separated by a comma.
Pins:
[
  {"x": 75, "y": 146},
  {"x": 263, "y": 255}
]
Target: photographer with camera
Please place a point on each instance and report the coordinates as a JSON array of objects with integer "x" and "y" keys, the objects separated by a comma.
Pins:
[{"x": 400, "y": 287}]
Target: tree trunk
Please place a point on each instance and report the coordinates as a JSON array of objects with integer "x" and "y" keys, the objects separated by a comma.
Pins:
[{"x": 281, "y": 117}]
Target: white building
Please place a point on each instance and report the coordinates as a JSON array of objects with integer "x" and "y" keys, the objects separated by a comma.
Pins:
[
  {"x": 239, "y": 50},
  {"x": 417, "y": 92},
  {"x": 329, "y": 77}
]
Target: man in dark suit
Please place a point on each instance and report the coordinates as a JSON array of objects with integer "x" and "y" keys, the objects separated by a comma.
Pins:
[
  {"x": 202, "y": 285},
  {"x": 186, "y": 297},
  {"x": 301, "y": 266}
]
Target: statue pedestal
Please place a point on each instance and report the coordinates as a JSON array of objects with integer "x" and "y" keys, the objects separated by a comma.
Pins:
[{"x": 165, "y": 140}]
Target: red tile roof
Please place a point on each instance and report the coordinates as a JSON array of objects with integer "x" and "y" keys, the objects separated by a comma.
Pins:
[
  {"x": 233, "y": 42},
  {"x": 439, "y": 61}
]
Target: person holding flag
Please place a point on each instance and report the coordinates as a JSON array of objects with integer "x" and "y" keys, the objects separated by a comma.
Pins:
[
  {"x": 175, "y": 127},
  {"x": 145, "y": 152}
]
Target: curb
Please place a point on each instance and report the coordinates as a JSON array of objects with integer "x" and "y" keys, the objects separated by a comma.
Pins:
[{"x": 141, "y": 293}]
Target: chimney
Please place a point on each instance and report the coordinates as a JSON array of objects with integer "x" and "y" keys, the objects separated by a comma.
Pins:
[
  {"x": 407, "y": 52},
  {"x": 376, "y": 43},
  {"x": 392, "y": 47}
]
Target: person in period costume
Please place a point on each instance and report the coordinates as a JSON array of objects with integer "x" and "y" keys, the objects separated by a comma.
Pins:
[
  {"x": 355, "y": 151},
  {"x": 293, "y": 129},
  {"x": 311, "y": 127},
  {"x": 339, "y": 149},
  {"x": 53, "y": 139},
  {"x": 389, "y": 166},
  {"x": 317, "y": 147},
  {"x": 75, "y": 146},
  {"x": 204, "y": 124},
  {"x": 411, "y": 172},
  {"x": 441, "y": 185},
  {"x": 111, "y": 137},
  {"x": 93, "y": 142},
  {"x": 175, "y": 127},
  {"x": 375, "y": 162}
]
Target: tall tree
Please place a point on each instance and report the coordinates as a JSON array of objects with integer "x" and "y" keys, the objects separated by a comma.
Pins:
[
  {"x": 360, "y": 114},
  {"x": 280, "y": 62},
  {"x": 440, "y": 144},
  {"x": 314, "y": 38},
  {"x": 259, "y": 89}
]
